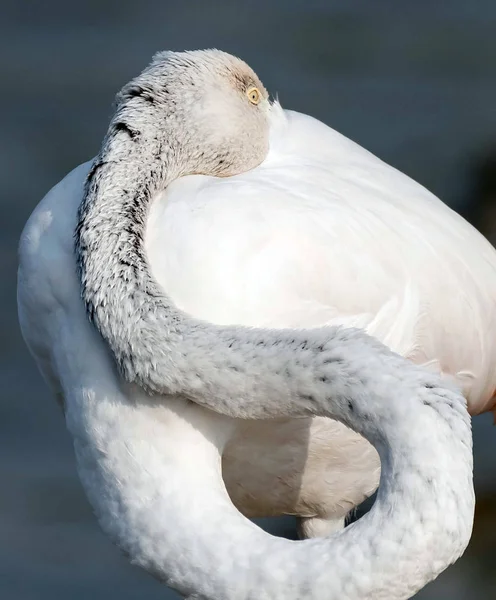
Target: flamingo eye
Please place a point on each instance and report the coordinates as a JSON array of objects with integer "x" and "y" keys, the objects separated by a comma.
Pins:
[{"x": 254, "y": 95}]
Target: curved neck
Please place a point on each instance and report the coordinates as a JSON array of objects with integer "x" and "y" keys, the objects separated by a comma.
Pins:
[
  {"x": 419, "y": 524},
  {"x": 259, "y": 373}
]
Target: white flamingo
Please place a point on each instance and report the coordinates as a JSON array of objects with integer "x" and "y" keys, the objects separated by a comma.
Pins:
[{"x": 167, "y": 410}]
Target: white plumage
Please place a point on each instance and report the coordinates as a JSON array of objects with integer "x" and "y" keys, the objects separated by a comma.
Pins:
[
  {"x": 321, "y": 233},
  {"x": 325, "y": 233}
]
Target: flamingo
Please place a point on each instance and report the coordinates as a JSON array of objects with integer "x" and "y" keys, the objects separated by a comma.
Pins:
[{"x": 243, "y": 313}]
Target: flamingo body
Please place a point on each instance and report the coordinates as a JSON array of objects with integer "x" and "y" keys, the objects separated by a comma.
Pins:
[{"x": 322, "y": 233}]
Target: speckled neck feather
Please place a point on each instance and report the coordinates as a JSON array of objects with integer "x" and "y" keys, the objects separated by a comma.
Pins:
[{"x": 425, "y": 499}]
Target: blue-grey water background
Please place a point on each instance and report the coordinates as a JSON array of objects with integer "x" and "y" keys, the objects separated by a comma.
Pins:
[{"x": 414, "y": 82}]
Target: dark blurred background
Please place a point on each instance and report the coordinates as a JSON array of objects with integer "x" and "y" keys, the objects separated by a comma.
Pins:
[{"x": 414, "y": 82}]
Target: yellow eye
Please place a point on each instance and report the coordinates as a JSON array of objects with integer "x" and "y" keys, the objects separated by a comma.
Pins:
[{"x": 254, "y": 95}]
